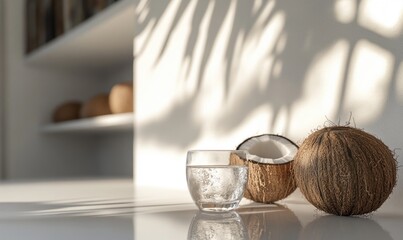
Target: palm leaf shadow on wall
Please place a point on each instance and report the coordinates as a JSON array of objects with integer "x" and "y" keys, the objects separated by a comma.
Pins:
[{"x": 309, "y": 28}]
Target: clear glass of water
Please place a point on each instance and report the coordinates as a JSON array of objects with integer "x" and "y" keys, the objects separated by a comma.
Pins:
[{"x": 216, "y": 178}]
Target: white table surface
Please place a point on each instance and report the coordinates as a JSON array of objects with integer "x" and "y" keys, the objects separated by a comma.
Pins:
[{"x": 108, "y": 209}]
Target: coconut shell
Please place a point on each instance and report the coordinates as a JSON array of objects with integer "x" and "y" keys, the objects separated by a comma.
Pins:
[
  {"x": 67, "y": 111},
  {"x": 96, "y": 106},
  {"x": 121, "y": 98},
  {"x": 345, "y": 171},
  {"x": 268, "y": 183}
]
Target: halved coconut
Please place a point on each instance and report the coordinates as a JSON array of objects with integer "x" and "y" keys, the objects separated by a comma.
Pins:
[
  {"x": 269, "y": 149},
  {"x": 271, "y": 175}
]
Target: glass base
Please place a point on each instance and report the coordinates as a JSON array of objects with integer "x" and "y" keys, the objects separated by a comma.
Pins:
[{"x": 218, "y": 207}]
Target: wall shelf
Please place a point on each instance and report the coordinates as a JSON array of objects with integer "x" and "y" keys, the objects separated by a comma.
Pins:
[
  {"x": 86, "y": 60},
  {"x": 100, "y": 43},
  {"x": 106, "y": 123}
]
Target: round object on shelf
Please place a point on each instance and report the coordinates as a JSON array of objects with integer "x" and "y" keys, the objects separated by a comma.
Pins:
[
  {"x": 121, "y": 98},
  {"x": 96, "y": 106},
  {"x": 67, "y": 111}
]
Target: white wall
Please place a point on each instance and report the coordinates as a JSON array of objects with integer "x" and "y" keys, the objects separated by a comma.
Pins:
[
  {"x": 209, "y": 74},
  {"x": 1, "y": 89},
  {"x": 115, "y": 150}
]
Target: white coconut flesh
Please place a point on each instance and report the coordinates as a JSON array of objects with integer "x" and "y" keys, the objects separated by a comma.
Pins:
[{"x": 269, "y": 149}]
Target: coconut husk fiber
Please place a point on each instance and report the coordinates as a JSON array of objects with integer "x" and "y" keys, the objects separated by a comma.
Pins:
[
  {"x": 268, "y": 183},
  {"x": 345, "y": 171}
]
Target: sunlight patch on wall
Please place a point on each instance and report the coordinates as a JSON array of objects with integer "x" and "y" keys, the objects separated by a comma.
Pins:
[
  {"x": 212, "y": 85},
  {"x": 282, "y": 43},
  {"x": 151, "y": 54},
  {"x": 147, "y": 58},
  {"x": 281, "y": 121},
  {"x": 345, "y": 10},
  {"x": 368, "y": 81},
  {"x": 142, "y": 11},
  {"x": 161, "y": 170},
  {"x": 256, "y": 53},
  {"x": 209, "y": 106},
  {"x": 181, "y": 41},
  {"x": 160, "y": 26},
  {"x": 256, "y": 5},
  {"x": 263, "y": 74},
  {"x": 384, "y": 17},
  {"x": 271, "y": 33},
  {"x": 399, "y": 84},
  {"x": 265, "y": 12},
  {"x": 321, "y": 90},
  {"x": 254, "y": 123}
]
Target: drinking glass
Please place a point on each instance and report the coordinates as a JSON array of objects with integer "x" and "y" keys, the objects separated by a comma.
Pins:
[{"x": 216, "y": 178}]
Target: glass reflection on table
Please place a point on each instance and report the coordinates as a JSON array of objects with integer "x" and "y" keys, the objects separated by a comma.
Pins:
[
  {"x": 253, "y": 222},
  {"x": 217, "y": 226}
]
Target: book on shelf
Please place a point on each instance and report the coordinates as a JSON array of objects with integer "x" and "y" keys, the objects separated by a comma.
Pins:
[
  {"x": 40, "y": 23},
  {"x": 31, "y": 26},
  {"x": 92, "y": 7},
  {"x": 48, "y": 19},
  {"x": 58, "y": 17},
  {"x": 73, "y": 14}
]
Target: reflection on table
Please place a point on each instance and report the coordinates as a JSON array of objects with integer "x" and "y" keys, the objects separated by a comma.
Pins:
[
  {"x": 223, "y": 226},
  {"x": 265, "y": 221}
]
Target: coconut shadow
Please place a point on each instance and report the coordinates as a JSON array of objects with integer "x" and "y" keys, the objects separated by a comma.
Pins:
[
  {"x": 270, "y": 221},
  {"x": 338, "y": 227}
]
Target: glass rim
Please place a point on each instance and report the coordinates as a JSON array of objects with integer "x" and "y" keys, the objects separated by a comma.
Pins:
[
  {"x": 216, "y": 150},
  {"x": 193, "y": 157}
]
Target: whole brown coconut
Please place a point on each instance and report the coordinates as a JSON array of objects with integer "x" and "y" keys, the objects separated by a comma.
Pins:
[
  {"x": 345, "y": 171},
  {"x": 121, "y": 98},
  {"x": 67, "y": 111},
  {"x": 96, "y": 106},
  {"x": 270, "y": 175}
]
